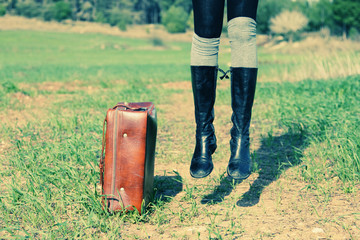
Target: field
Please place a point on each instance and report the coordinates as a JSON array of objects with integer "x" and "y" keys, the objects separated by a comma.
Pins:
[{"x": 305, "y": 141}]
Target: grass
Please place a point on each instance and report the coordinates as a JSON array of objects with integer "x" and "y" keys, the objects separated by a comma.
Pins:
[{"x": 56, "y": 88}]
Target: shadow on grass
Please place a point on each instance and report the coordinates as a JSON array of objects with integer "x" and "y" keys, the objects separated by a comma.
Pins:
[
  {"x": 226, "y": 186},
  {"x": 275, "y": 155},
  {"x": 167, "y": 187}
]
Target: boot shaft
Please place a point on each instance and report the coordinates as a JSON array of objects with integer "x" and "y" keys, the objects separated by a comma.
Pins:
[
  {"x": 243, "y": 84},
  {"x": 203, "y": 80},
  {"x": 204, "y": 91}
]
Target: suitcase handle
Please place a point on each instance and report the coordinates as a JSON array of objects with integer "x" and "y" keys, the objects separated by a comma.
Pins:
[{"x": 127, "y": 106}]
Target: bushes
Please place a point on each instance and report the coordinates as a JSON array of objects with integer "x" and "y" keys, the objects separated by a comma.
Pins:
[
  {"x": 58, "y": 11},
  {"x": 115, "y": 17},
  {"x": 288, "y": 23},
  {"x": 28, "y": 9},
  {"x": 119, "y": 18},
  {"x": 61, "y": 11},
  {"x": 175, "y": 20},
  {"x": 49, "y": 13},
  {"x": 354, "y": 34},
  {"x": 268, "y": 9},
  {"x": 2, "y": 10}
]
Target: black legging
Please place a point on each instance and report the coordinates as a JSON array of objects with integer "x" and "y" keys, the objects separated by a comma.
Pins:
[{"x": 209, "y": 14}]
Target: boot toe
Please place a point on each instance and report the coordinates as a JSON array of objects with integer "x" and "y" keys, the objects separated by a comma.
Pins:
[
  {"x": 201, "y": 167},
  {"x": 238, "y": 170}
]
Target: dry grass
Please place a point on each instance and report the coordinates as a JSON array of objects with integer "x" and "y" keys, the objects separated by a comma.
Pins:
[
  {"x": 51, "y": 137},
  {"x": 137, "y": 31}
]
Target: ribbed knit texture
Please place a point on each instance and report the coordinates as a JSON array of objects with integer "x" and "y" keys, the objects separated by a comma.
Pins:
[
  {"x": 204, "y": 51},
  {"x": 242, "y": 36}
]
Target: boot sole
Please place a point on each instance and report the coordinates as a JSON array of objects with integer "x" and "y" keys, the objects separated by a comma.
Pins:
[
  {"x": 237, "y": 178},
  {"x": 202, "y": 176}
]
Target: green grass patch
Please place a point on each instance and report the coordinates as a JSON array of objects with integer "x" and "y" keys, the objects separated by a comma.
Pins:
[{"x": 55, "y": 89}]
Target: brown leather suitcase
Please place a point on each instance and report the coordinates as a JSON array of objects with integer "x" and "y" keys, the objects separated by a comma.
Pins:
[{"x": 127, "y": 171}]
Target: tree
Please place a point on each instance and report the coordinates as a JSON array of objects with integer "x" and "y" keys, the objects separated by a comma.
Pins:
[
  {"x": 320, "y": 15},
  {"x": 184, "y": 4},
  {"x": 62, "y": 10},
  {"x": 346, "y": 14},
  {"x": 2, "y": 10},
  {"x": 28, "y": 9},
  {"x": 165, "y": 5},
  {"x": 175, "y": 20},
  {"x": 288, "y": 23},
  {"x": 147, "y": 11},
  {"x": 120, "y": 18},
  {"x": 269, "y": 9},
  {"x": 85, "y": 11}
]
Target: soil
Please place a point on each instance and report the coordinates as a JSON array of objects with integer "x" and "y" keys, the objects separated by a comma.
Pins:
[
  {"x": 267, "y": 205},
  {"x": 264, "y": 206}
]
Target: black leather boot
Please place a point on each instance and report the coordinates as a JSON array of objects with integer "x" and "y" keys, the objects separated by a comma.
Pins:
[
  {"x": 243, "y": 82},
  {"x": 204, "y": 91}
]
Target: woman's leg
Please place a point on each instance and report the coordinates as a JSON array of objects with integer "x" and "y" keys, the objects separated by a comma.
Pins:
[
  {"x": 242, "y": 36},
  {"x": 208, "y": 21},
  {"x": 208, "y": 18},
  {"x": 242, "y": 8}
]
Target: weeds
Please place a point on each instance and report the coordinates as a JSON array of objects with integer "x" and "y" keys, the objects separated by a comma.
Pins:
[{"x": 305, "y": 140}]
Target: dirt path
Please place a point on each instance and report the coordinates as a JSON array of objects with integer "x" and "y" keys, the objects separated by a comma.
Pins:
[{"x": 273, "y": 203}]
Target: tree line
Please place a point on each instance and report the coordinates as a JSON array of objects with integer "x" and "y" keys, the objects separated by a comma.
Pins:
[{"x": 340, "y": 17}]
